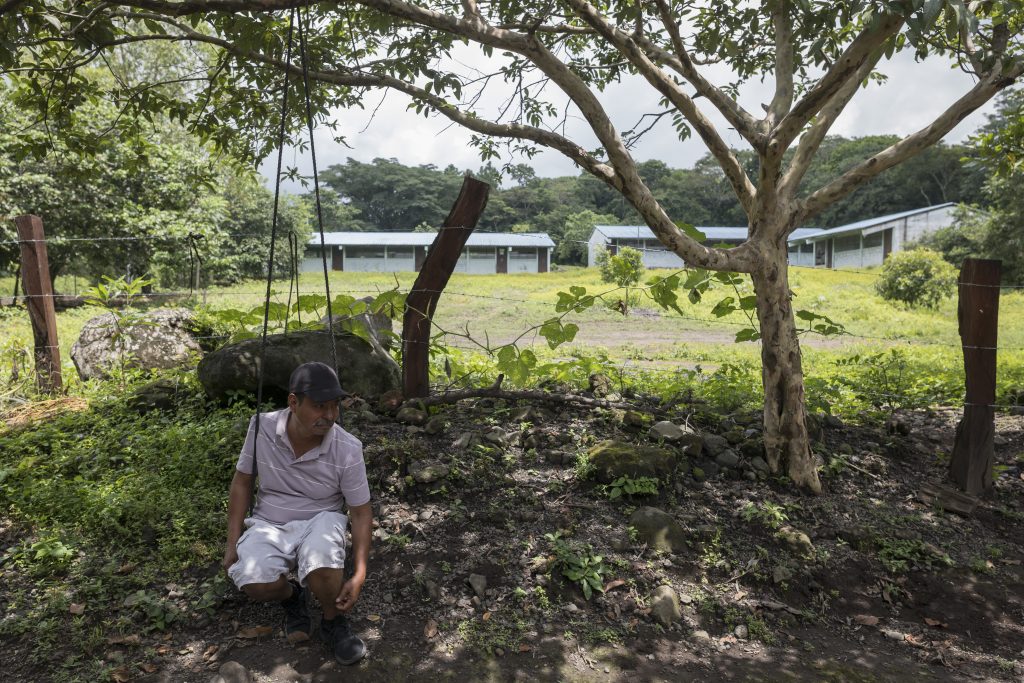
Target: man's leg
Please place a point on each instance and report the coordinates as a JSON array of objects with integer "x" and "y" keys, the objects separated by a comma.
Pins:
[
  {"x": 266, "y": 553},
  {"x": 321, "y": 557}
]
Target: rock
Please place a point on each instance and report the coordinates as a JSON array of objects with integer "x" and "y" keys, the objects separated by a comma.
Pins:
[
  {"x": 833, "y": 422},
  {"x": 432, "y": 590},
  {"x": 845, "y": 449},
  {"x": 742, "y": 632},
  {"x": 435, "y": 425},
  {"x": 466, "y": 440},
  {"x": 698, "y": 474},
  {"x": 235, "y": 367},
  {"x": 668, "y": 431},
  {"x": 233, "y": 672},
  {"x": 759, "y": 464},
  {"x": 715, "y": 444},
  {"x": 734, "y": 436},
  {"x": 428, "y": 471},
  {"x": 752, "y": 448},
  {"x": 781, "y": 572},
  {"x": 496, "y": 436},
  {"x": 160, "y": 394},
  {"x": 600, "y": 385},
  {"x": 665, "y": 607},
  {"x": 658, "y": 529},
  {"x": 555, "y": 457},
  {"x": 633, "y": 420},
  {"x": 412, "y": 416},
  {"x": 390, "y": 401},
  {"x": 157, "y": 340},
  {"x": 701, "y": 635},
  {"x": 797, "y": 541},
  {"x": 710, "y": 468},
  {"x": 613, "y": 459},
  {"x": 728, "y": 458},
  {"x": 478, "y": 582}
]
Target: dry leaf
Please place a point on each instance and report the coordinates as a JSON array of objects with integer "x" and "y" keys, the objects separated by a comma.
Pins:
[
  {"x": 210, "y": 651},
  {"x": 524, "y": 648},
  {"x": 148, "y": 667},
  {"x": 914, "y": 640},
  {"x": 373, "y": 617},
  {"x": 936, "y": 623},
  {"x": 77, "y": 608},
  {"x": 739, "y": 596},
  {"x": 163, "y": 650},
  {"x": 866, "y": 620},
  {"x": 255, "y": 632},
  {"x": 613, "y": 584},
  {"x": 430, "y": 630},
  {"x": 486, "y": 616},
  {"x": 121, "y": 675},
  {"x": 127, "y": 568}
]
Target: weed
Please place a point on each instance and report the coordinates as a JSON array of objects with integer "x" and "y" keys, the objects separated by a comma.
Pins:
[
  {"x": 577, "y": 565},
  {"x": 626, "y": 485},
  {"x": 899, "y": 556},
  {"x": 768, "y": 514}
]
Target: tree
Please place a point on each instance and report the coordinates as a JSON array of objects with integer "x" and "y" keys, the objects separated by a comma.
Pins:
[
  {"x": 572, "y": 245},
  {"x": 818, "y": 54}
]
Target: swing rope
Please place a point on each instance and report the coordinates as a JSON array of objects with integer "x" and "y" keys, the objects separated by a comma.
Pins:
[{"x": 293, "y": 242}]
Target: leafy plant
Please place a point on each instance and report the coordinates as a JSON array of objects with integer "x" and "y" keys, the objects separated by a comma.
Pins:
[
  {"x": 626, "y": 485},
  {"x": 624, "y": 268},
  {"x": 118, "y": 296},
  {"x": 918, "y": 277},
  {"x": 769, "y": 514},
  {"x": 579, "y": 567}
]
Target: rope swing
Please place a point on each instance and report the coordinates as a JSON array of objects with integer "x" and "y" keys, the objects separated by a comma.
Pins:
[{"x": 301, "y": 27}]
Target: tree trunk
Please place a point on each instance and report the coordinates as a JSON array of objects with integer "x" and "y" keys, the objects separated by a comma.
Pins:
[{"x": 786, "y": 441}]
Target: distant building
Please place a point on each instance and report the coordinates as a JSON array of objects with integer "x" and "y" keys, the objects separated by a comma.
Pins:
[
  {"x": 868, "y": 242},
  {"x": 390, "y": 252},
  {"x": 655, "y": 254}
]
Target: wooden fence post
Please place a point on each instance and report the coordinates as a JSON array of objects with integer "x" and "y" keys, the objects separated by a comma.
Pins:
[
  {"x": 437, "y": 270},
  {"x": 35, "y": 272},
  {"x": 970, "y": 467}
]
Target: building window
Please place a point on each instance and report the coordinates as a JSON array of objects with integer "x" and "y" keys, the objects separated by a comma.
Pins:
[{"x": 364, "y": 252}]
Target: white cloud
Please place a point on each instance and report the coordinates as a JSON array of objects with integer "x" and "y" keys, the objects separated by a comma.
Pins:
[{"x": 914, "y": 94}]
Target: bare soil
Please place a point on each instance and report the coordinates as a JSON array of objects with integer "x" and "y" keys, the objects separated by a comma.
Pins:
[{"x": 893, "y": 590}]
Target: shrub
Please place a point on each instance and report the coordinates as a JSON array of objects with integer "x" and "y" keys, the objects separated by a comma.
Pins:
[
  {"x": 623, "y": 269},
  {"x": 919, "y": 277}
]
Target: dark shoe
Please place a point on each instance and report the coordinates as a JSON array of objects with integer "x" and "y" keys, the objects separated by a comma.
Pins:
[
  {"x": 297, "y": 624},
  {"x": 337, "y": 634}
]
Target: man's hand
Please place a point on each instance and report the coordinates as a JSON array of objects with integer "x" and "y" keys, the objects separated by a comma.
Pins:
[
  {"x": 349, "y": 594},
  {"x": 230, "y": 557}
]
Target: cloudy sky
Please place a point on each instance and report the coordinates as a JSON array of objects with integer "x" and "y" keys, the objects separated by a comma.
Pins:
[{"x": 913, "y": 95}]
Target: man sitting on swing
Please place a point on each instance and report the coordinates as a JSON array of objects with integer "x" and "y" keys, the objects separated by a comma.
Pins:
[{"x": 307, "y": 466}]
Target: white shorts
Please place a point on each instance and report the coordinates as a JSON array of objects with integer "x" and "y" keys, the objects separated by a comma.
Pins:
[{"x": 267, "y": 550}]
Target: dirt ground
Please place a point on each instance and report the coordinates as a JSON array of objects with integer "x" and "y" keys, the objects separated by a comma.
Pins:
[{"x": 887, "y": 588}]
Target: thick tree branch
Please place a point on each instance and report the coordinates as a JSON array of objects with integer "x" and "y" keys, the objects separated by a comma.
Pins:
[
  {"x": 668, "y": 87},
  {"x": 681, "y": 62},
  {"x": 870, "y": 39},
  {"x": 983, "y": 91},
  {"x": 783, "y": 99},
  {"x": 811, "y": 140}
]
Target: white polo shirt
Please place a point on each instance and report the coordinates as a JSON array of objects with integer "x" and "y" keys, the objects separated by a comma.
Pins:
[{"x": 293, "y": 488}]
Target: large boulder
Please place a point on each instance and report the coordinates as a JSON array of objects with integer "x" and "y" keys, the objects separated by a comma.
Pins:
[
  {"x": 155, "y": 340},
  {"x": 362, "y": 369},
  {"x": 614, "y": 459}
]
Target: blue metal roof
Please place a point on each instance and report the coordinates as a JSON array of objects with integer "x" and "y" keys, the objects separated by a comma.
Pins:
[
  {"x": 869, "y": 223},
  {"x": 425, "y": 239},
  {"x": 643, "y": 232}
]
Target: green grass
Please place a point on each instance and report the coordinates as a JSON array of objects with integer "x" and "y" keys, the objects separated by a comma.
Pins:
[{"x": 496, "y": 309}]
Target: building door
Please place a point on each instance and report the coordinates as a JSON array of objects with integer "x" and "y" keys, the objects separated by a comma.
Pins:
[
  {"x": 542, "y": 260},
  {"x": 338, "y": 259},
  {"x": 502, "y": 259}
]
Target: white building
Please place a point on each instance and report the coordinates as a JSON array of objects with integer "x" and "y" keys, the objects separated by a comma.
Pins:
[
  {"x": 388, "y": 252},
  {"x": 655, "y": 254},
  {"x": 868, "y": 242}
]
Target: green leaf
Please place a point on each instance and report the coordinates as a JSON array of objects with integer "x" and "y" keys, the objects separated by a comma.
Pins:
[
  {"x": 724, "y": 307},
  {"x": 747, "y": 334},
  {"x": 691, "y": 232}
]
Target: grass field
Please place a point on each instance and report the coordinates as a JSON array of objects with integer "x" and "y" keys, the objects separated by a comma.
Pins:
[{"x": 496, "y": 309}]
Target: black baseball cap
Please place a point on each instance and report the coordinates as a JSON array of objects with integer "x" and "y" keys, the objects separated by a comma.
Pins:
[{"x": 316, "y": 380}]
